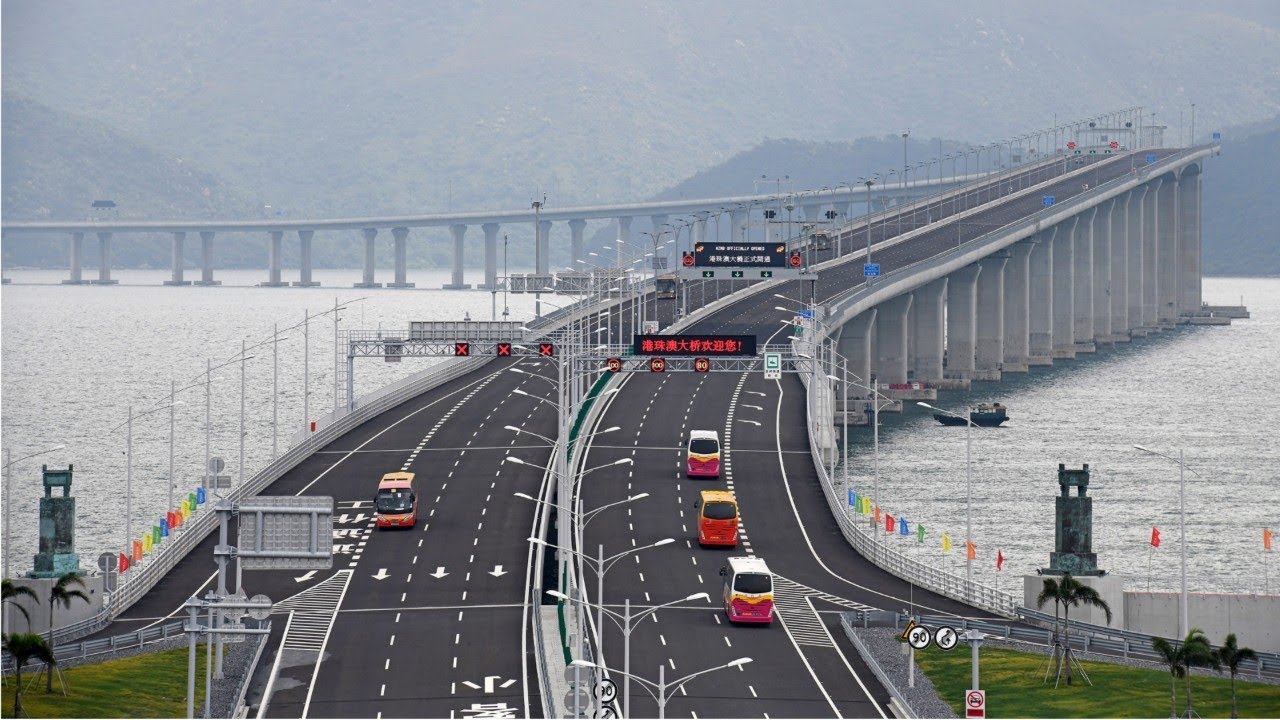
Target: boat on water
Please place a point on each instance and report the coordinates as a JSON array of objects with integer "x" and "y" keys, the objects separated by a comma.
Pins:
[{"x": 984, "y": 415}]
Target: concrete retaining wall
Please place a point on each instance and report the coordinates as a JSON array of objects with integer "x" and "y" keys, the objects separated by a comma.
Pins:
[{"x": 1253, "y": 618}]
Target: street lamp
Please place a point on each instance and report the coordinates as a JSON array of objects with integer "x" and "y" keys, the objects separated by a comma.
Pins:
[
  {"x": 128, "y": 472},
  {"x": 659, "y": 689},
  {"x": 968, "y": 492},
  {"x": 1182, "y": 526},
  {"x": 868, "y": 182},
  {"x": 8, "y": 498},
  {"x": 625, "y": 621}
]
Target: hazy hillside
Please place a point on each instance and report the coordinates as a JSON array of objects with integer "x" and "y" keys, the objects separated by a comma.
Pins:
[
  {"x": 362, "y": 107},
  {"x": 1241, "y": 215}
]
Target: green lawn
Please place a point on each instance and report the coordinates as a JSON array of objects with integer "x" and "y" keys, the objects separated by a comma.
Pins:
[
  {"x": 1015, "y": 689},
  {"x": 149, "y": 686}
]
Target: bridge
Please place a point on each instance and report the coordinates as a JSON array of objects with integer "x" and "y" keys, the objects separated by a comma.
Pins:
[{"x": 453, "y": 618}]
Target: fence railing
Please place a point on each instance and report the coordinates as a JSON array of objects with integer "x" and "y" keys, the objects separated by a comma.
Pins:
[{"x": 89, "y": 648}]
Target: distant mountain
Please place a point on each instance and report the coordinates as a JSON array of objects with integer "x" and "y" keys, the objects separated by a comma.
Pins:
[{"x": 1241, "y": 221}]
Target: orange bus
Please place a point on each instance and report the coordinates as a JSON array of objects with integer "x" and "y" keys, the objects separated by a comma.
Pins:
[
  {"x": 748, "y": 590},
  {"x": 396, "y": 505},
  {"x": 718, "y": 518}
]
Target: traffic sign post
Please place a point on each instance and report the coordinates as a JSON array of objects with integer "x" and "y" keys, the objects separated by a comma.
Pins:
[
  {"x": 871, "y": 270},
  {"x": 975, "y": 704},
  {"x": 773, "y": 366},
  {"x": 1048, "y": 200}
]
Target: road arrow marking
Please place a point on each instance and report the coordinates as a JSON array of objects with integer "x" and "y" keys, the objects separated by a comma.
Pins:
[
  {"x": 306, "y": 576},
  {"x": 508, "y": 683},
  {"x": 471, "y": 685},
  {"x": 497, "y": 571},
  {"x": 439, "y": 573},
  {"x": 753, "y": 422},
  {"x": 382, "y": 574},
  {"x": 757, "y": 407}
]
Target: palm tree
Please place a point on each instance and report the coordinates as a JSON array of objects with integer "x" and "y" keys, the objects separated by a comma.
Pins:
[
  {"x": 25, "y": 647},
  {"x": 1050, "y": 591},
  {"x": 1196, "y": 652},
  {"x": 1172, "y": 656},
  {"x": 13, "y": 591},
  {"x": 1231, "y": 655},
  {"x": 62, "y": 593},
  {"x": 1074, "y": 594}
]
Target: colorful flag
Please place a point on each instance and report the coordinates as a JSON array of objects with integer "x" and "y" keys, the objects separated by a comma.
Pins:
[
  {"x": 866, "y": 506},
  {"x": 970, "y": 550},
  {"x": 137, "y": 551},
  {"x": 877, "y": 514},
  {"x": 200, "y": 496},
  {"x": 919, "y": 532},
  {"x": 156, "y": 535},
  {"x": 146, "y": 542},
  {"x": 123, "y": 563},
  {"x": 999, "y": 560},
  {"x": 902, "y": 527},
  {"x": 186, "y": 509},
  {"x": 888, "y": 523},
  {"x": 1155, "y": 537},
  {"x": 1266, "y": 539},
  {"x": 178, "y": 518},
  {"x": 853, "y": 498},
  {"x": 946, "y": 542},
  {"x": 164, "y": 524}
]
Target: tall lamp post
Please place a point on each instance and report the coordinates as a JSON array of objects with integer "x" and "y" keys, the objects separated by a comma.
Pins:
[
  {"x": 1184, "y": 625},
  {"x": 868, "y": 182},
  {"x": 128, "y": 470},
  {"x": 659, "y": 691},
  {"x": 968, "y": 492}
]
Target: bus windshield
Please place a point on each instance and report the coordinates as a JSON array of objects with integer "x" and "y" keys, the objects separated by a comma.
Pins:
[
  {"x": 752, "y": 583},
  {"x": 719, "y": 511},
  {"x": 704, "y": 446},
  {"x": 394, "y": 500}
]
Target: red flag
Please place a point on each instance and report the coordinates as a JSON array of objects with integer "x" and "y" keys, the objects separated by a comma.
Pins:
[
  {"x": 888, "y": 522},
  {"x": 1266, "y": 539},
  {"x": 124, "y": 562},
  {"x": 971, "y": 550},
  {"x": 999, "y": 560},
  {"x": 1155, "y": 537}
]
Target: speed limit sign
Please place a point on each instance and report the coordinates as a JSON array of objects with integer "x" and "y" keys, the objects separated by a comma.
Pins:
[{"x": 919, "y": 637}]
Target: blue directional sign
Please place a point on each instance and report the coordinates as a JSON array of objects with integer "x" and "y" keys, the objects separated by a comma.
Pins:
[
  {"x": 806, "y": 314},
  {"x": 871, "y": 270},
  {"x": 1151, "y": 157},
  {"x": 1048, "y": 200},
  {"x": 1217, "y": 136}
]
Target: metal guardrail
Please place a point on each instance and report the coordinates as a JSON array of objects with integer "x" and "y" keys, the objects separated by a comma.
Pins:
[
  {"x": 89, "y": 648},
  {"x": 878, "y": 671},
  {"x": 1083, "y": 636}
]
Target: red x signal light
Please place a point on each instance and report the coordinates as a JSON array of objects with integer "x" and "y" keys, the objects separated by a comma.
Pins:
[
  {"x": 546, "y": 349},
  {"x": 461, "y": 349},
  {"x": 504, "y": 349}
]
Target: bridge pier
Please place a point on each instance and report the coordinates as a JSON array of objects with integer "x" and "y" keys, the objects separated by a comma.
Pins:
[
  {"x": 104, "y": 260},
  {"x": 491, "y": 257},
  {"x": 400, "y": 236},
  {"x": 738, "y": 219},
  {"x": 891, "y": 340},
  {"x": 1168, "y": 254},
  {"x": 1150, "y": 258},
  {"x": 304, "y": 259},
  {"x": 175, "y": 277},
  {"x": 1102, "y": 274},
  {"x": 542, "y": 247},
  {"x": 1120, "y": 269},
  {"x": 855, "y": 345},
  {"x": 1064, "y": 345},
  {"x": 1189, "y": 240},
  {"x": 1134, "y": 233},
  {"x": 457, "y": 281},
  {"x": 699, "y": 228},
  {"x": 273, "y": 260},
  {"x": 74, "y": 252},
  {"x": 1083, "y": 295},
  {"x": 989, "y": 320},
  {"x": 927, "y": 331},
  {"x": 368, "y": 282},
  {"x": 206, "y": 260},
  {"x": 576, "y": 230},
  {"x": 962, "y": 287},
  {"x": 1040, "y": 299},
  {"x": 1017, "y": 307}
]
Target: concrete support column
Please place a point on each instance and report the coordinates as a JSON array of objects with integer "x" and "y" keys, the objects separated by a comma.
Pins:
[
  {"x": 491, "y": 256},
  {"x": 206, "y": 259},
  {"x": 624, "y": 237},
  {"x": 104, "y": 260},
  {"x": 738, "y": 220},
  {"x": 400, "y": 236},
  {"x": 1017, "y": 307},
  {"x": 273, "y": 260},
  {"x": 962, "y": 287},
  {"x": 927, "y": 331},
  {"x": 304, "y": 259},
  {"x": 1168, "y": 255},
  {"x": 989, "y": 318},
  {"x": 1102, "y": 274},
  {"x": 1136, "y": 262},
  {"x": 1040, "y": 299},
  {"x": 699, "y": 227},
  {"x": 576, "y": 230},
  {"x": 179, "y": 239},
  {"x": 812, "y": 215},
  {"x": 891, "y": 340},
  {"x": 1083, "y": 296},
  {"x": 369, "y": 262},
  {"x": 1189, "y": 241},
  {"x": 1150, "y": 257},
  {"x": 75, "y": 251},
  {"x": 1120, "y": 269},
  {"x": 1064, "y": 345},
  {"x": 459, "y": 232},
  {"x": 542, "y": 249},
  {"x": 855, "y": 344}
]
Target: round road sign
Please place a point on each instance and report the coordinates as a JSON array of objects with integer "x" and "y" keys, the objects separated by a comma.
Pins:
[
  {"x": 606, "y": 691},
  {"x": 107, "y": 562},
  {"x": 701, "y": 364},
  {"x": 658, "y": 365},
  {"x": 607, "y": 712},
  {"x": 687, "y": 260},
  {"x": 262, "y": 612},
  {"x": 946, "y": 637},
  {"x": 919, "y": 637},
  {"x": 796, "y": 260},
  {"x": 613, "y": 365}
]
